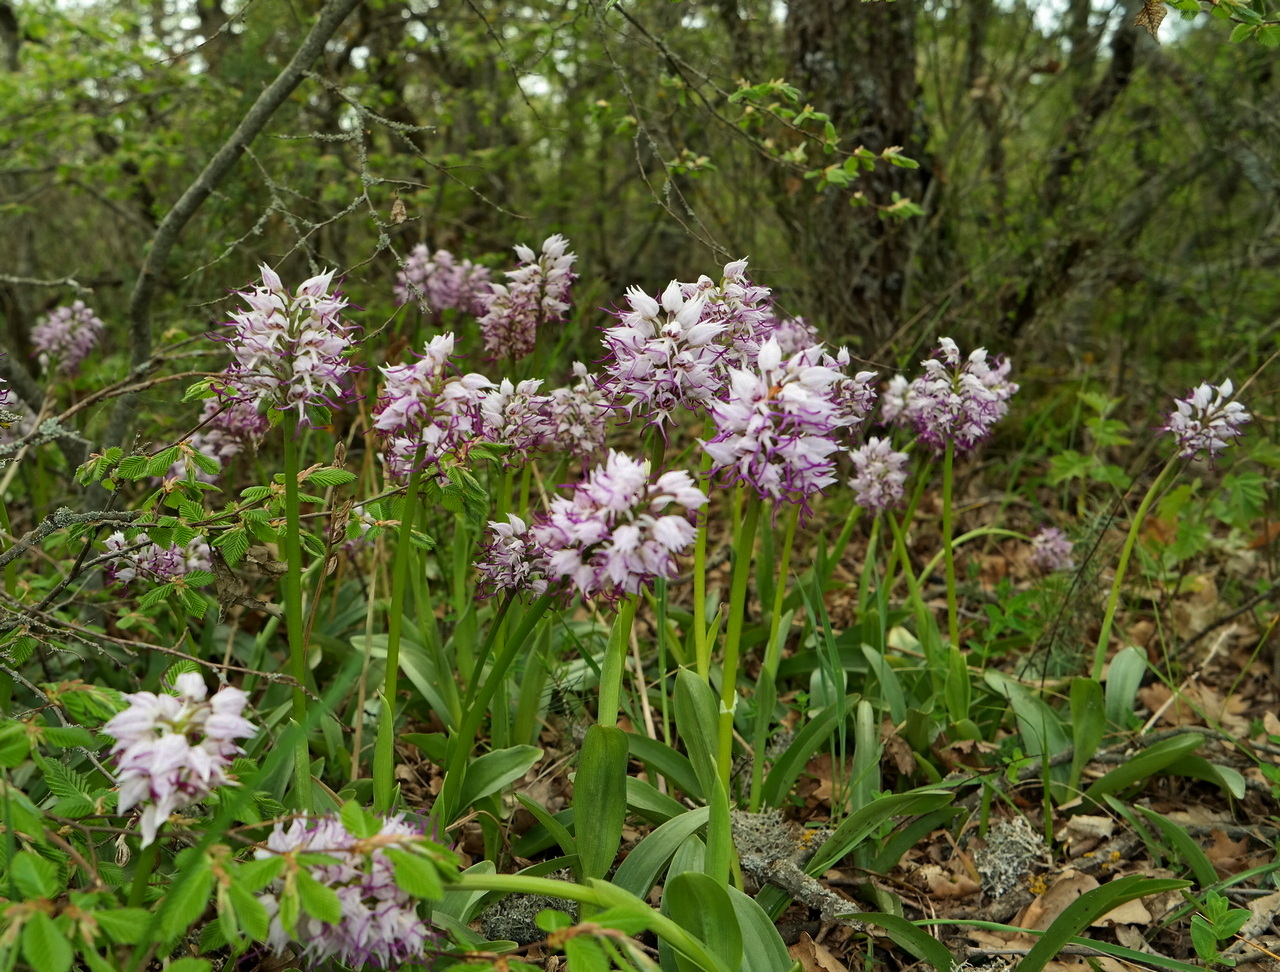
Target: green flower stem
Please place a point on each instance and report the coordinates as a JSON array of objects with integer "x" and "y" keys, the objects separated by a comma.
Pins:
[
  {"x": 890, "y": 574},
  {"x": 615, "y": 662},
  {"x": 461, "y": 599},
  {"x": 1104, "y": 635},
  {"x": 384, "y": 748},
  {"x": 842, "y": 541},
  {"x": 773, "y": 650},
  {"x": 495, "y": 636},
  {"x": 142, "y": 876},
  {"x": 900, "y": 547},
  {"x": 293, "y": 602},
  {"x": 948, "y": 550},
  {"x": 526, "y": 482},
  {"x": 744, "y": 545},
  {"x": 461, "y": 742}
]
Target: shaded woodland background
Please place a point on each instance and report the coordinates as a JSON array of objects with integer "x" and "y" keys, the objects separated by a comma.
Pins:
[{"x": 1091, "y": 199}]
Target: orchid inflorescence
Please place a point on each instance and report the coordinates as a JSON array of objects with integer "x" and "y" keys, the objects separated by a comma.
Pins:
[
  {"x": 290, "y": 350},
  {"x": 65, "y": 336},
  {"x": 1207, "y": 419},
  {"x": 443, "y": 282},
  {"x": 379, "y": 923},
  {"x": 174, "y": 750}
]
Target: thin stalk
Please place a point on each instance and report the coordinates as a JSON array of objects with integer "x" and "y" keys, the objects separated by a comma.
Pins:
[
  {"x": 948, "y": 551},
  {"x": 384, "y": 747},
  {"x": 1104, "y": 635},
  {"x": 293, "y": 601},
  {"x": 615, "y": 662},
  {"x": 773, "y": 650},
  {"x": 701, "y": 647},
  {"x": 142, "y": 876},
  {"x": 742, "y": 550}
]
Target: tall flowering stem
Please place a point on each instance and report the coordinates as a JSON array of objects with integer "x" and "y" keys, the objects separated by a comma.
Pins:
[
  {"x": 384, "y": 749},
  {"x": 293, "y": 604},
  {"x": 615, "y": 662},
  {"x": 743, "y": 547},
  {"x": 1113, "y": 599},
  {"x": 948, "y": 549},
  {"x": 773, "y": 650}
]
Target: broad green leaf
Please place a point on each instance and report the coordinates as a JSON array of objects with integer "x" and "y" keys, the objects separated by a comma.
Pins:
[
  {"x": 810, "y": 739},
  {"x": 188, "y": 895},
  {"x": 697, "y": 718},
  {"x": 415, "y": 875},
  {"x": 721, "y": 852},
  {"x": 1185, "y": 846},
  {"x": 190, "y": 963},
  {"x": 701, "y": 905},
  {"x": 1199, "y": 768},
  {"x": 645, "y": 800},
  {"x": 35, "y": 876},
  {"x": 489, "y": 773},
  {"x": 44, "y": 946},
  {"x": 586, "y": 955},
  {"x": 558, "y": 831},
  {"x": 675, "y": 766},
  {"x": 600, "y": 794},
  {"x": 318, "y": 900},
  {"x": 15, "y": 744},
  {"x": 124, "y": 926},
  {"x": 1123, "y": 679},
  {"x": 1146, "y": 763},
  {"x": 1041, "y": 729},
  {"x": 762, "y": 947},
  {"x": 459, "y": 904},
  {"x": 1088, "y": 726},
  {"x": 358, "y": 821},
  {"x": 1086, "y": 909},
  {"x": 890, "y": 684},
  {"x": 642, "y": 867}
]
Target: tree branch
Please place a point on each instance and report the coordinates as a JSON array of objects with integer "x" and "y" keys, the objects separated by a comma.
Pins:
[{"x": 170, "y": 228}]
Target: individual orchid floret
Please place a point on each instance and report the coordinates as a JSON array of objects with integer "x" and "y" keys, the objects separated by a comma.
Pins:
[
  {"x": 662, "y": 358},
  {"x": 955, "y": 401},
  {"x": 442, "y": 282},
  {"x": 379, "y": 924},
  {"x": 536, "y": 293},
  {"x": 290, "y": 350},
  {"x": 66, "y": 335},
  {"x": 512, "y": 560},
  {"x": 880, "y": 475},
  {"x": 139, "y": 557},
  {"x": 614, "y": 536},
  {"x": 1207, "y": 419},
  {"x": 1051, "y": 550},
  {"x": 793, "y": 334},
  {"x": 577, "y": 416},
  {"x": 777, "y": 430},
  {"x": 515, "y": 415},
  {"x": 174, "y": 750}
]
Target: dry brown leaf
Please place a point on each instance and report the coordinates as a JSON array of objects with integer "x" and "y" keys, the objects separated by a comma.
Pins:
[
  {"x": 814, "y": 957},
  {"x": 1130, "y": 913},
  {"x": 1083, "y": 832},
  {"x": 941, "y": 883},
  {"x": 1271, "y": 723},
  {"x": 1226, "y": 855},
  {"x": 1040, "y": 914},
  {"x": 1149, "y": 16}
]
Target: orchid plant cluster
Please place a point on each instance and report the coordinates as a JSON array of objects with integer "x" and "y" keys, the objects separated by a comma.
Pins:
[
  {"x": 64, "y": 337},
  {"x": 769, "y": 417}
]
